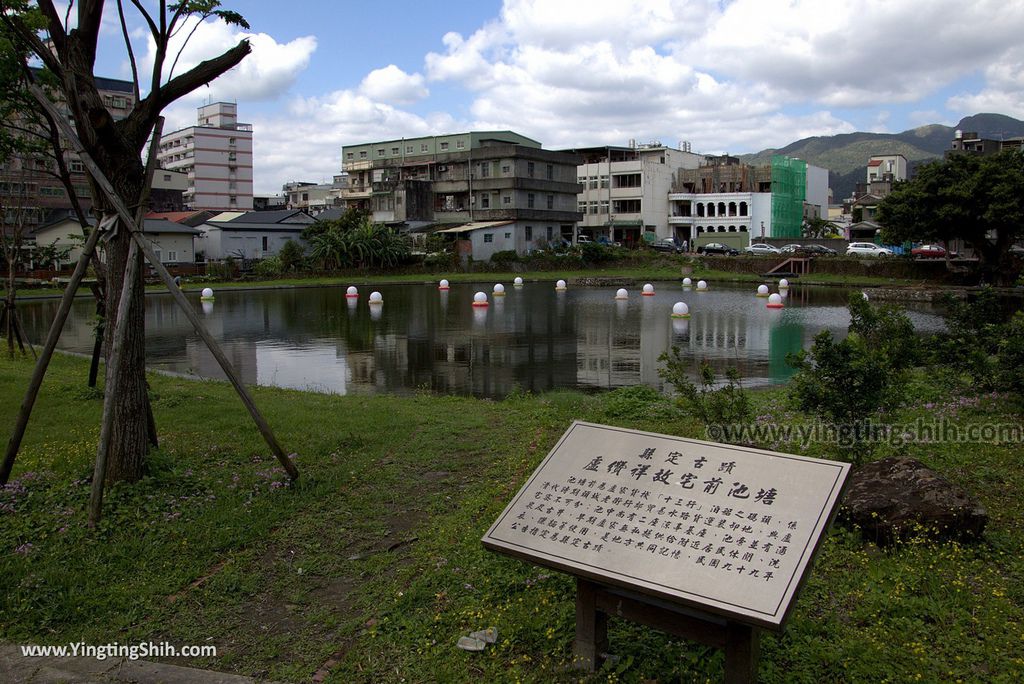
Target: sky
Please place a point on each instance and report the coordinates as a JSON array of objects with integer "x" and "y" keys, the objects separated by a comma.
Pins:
[{"x": 725, "y": 76}]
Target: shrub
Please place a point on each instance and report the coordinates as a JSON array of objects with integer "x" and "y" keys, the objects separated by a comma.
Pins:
[
  {"x": 504, "y": 257},
  {"x": 716, "y": 407},
  {"x": 1011, "y": 356},
  {"x": 291, "y": 255},
  {"x": 596, "y": 253},
  {"x": 848, "y": 383},
  {"x": 965, "y": 352},
  {"x": 271, "y": 267}
]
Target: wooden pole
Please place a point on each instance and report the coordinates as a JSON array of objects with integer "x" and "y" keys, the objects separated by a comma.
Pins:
[
  {"x": 39, "y": 372},
  {"x": 99, "y": 473},
  {"x": 215, "y": 349},
  {"x": 190, "y": 313}
]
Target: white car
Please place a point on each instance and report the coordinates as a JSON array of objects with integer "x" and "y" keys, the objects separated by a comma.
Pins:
[
  {"x": 867, "y": 249},
  {"x": 761, "y": 248}
]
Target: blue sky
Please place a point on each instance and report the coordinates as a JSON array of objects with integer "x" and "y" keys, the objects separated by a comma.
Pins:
[{"x": 735, "y": 76}]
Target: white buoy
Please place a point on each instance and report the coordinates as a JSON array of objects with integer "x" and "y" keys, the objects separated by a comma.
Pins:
[
  {"x": 560, "y": 285},
  {"x": 480, "y": 299},
  {"x": 518, "y": 282},
  {"x": 499, "y": 290},
  {"x": 762, "y": 290},
  {"x": 783, "y": 284},
  {"x": 621, "y": 293},
  {"x": 687, "y": 282},
  {"x": 207, "y": 305},
  {"x": 376, "y": 298},
  {"x": 207, "y": 294},
  {"x": 775, "y": 301},
  {"x": 443, "y": 285},
  {"x": 702, "y": 285},
  {"x": 648, "y": 290},
  {"x": 680, "y": 310},
  {"x": 352, "y": 292}
]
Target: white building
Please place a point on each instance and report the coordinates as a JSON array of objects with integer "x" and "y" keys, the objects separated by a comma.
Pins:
[
  {"x": 890, "y": 167},
  {"x": 174, "y": 243},
  {"x": 625, "y": 190},
  {"x": 216, "y": 154}
]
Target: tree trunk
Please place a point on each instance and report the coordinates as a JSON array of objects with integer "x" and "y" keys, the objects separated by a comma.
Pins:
[{"x": 130, "y": 439}]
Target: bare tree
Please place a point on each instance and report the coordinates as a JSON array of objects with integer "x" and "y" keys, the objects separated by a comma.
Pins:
[{"x": 116, "y": 147}]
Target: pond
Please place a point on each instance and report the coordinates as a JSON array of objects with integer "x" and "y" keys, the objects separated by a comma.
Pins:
[{"x": 533, "y": 339}]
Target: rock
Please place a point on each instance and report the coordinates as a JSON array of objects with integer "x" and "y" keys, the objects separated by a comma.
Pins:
[{"x": 895, "y": 497}]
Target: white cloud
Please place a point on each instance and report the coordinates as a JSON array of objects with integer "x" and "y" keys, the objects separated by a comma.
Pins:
[
  {"x": 1003, "y": 90},
  {"x": 393, "y": 85},
  {"x": 266, "y": 73}
]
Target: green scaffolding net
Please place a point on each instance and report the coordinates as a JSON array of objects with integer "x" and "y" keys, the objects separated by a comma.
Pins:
[{"x": 789, "y": 190}]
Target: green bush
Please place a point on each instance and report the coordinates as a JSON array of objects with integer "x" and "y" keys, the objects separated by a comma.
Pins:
[
  {"x": 849, "y": 383},
  {"x": 1011, "y": 356},
  {"x": 717, "y": 407},
  {"x": 965, "y": 353},
  {"x": 595, "y": 253},
  {"x": 504, "y": 257},
  {"x": 271, "y": 267},
  {"x": 440, "y": 261},
  {"x": 222, "y": 270},
  {"x": 292, "y": 256}
]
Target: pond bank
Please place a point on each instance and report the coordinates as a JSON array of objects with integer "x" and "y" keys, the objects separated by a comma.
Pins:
[{"x": 370, "y": 568}]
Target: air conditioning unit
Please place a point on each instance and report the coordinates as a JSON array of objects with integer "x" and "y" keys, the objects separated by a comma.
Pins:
[{"x": 442, "y": 167}]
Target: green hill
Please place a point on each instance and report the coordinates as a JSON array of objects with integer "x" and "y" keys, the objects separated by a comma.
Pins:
[{"x": 846, "y": 155}]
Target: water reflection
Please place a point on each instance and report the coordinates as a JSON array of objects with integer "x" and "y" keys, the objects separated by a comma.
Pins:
[{"x": 534, "y": 338}]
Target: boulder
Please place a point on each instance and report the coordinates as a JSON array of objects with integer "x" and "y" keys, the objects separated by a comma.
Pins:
[{"x": 897, "y": 497}]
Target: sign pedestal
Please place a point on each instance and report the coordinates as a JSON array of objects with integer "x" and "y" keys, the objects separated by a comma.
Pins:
[{"x": 594, "y": 603}]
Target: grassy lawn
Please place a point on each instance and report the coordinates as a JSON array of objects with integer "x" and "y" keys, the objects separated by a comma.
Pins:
[
  {"x": 370, "y": 566},
  {"x": 662, "y": 269}
]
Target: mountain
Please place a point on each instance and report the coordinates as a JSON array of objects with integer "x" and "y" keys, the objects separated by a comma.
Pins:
[{"x": 846, "y": 155}]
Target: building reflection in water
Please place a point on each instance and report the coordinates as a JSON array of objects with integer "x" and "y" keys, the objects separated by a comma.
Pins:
[{"x": 533, "y": 339}]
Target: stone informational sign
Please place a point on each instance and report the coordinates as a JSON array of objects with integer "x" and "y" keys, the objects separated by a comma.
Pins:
[{"x": 727, "y": 529}]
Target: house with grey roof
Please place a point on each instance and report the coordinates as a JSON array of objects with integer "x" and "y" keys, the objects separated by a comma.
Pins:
[
  {"x": 251, "y": 235},
  {"x": 174, "y": 243}
]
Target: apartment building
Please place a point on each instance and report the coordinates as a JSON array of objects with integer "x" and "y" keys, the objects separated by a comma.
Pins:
[
  {"x": 30, "y": 190},
  {"x": 493, "y": 190},
  {"x": 314, "y": 198},
  {"x": 726, "y": 201},
  {"x": 216, "y": 155},
  {"x": 625, "y": 190}
]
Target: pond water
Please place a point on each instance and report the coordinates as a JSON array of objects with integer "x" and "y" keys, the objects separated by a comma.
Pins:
[{"x": 533, "y": 339}]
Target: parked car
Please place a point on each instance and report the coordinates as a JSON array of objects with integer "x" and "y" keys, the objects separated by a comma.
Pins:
[
  {"x": 930, "y": 252},
  {"x": 580, "y": 239},
  {"x": 808, "y": 250},
  {"x": 790, "y": 248},
  {"x": 867, "y": 249},
  {"x": 717, "y": 248},
  {"x": 666, "y": 245},
  {"x": 761, "y": 248}
]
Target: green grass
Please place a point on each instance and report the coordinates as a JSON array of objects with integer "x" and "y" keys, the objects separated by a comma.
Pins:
[
  {"x": 373, "y": 560},
  {"x": 663, "y": 269}
]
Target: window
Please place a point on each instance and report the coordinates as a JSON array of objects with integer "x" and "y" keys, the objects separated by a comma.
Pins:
[
  {"x": 485, "y": 201},
  {"x": 305, "y": 198},
  {"x": 424, "y": 147},
  {"x": 172, "y": 256},
  {"x": 593, "y": 207},
  {"x": 626, "y": 180},
  {"x": 362, "y": 155},
  {"x": 349, "y": 155},
  {"x": 167, "y": 177},
  {"x": 529, "y": 200},
  {"x": 551, "y": 172},
  {"x": 408, "y": 149},
  {"x": 231, "y": 141},
  {"x": 551, "y": 201},
  {"x": 444, "y": 146},
  {"x": 506, "y": 200},
  {"x": 528, "y": 232},
  {"x": 460, "y": 144},
  {"x": 485, "y": 169},
  {"x": 592, "y": 184},
  {"x": 581, "y": 206},
  {"x": 380, "y": 151},
  {"x": 630, "y": 206},
  {"x": 395, "y": 151},
  {"x": 604, "y": 182},
  {"x": 76, "y": 166},
  {"x": 508, "y": 236},
  {"x": 604, "y": 206},
  {"x": 506, "y": 168},
  {"x": 551, "y": 233},
  {"x": 264, "y": 248},
  {"x": 488, "y": 237},
  {"x": 529, "y": 169}
]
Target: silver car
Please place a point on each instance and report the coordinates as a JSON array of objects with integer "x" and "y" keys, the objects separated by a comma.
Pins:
[{"x": 867, "y": 249}]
